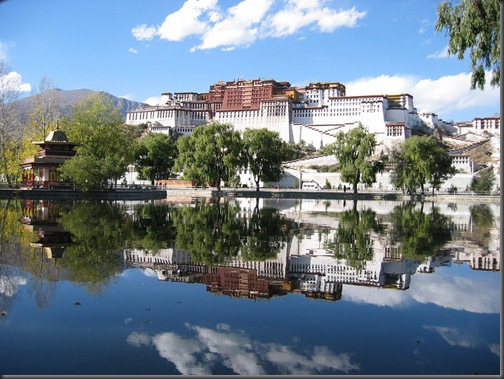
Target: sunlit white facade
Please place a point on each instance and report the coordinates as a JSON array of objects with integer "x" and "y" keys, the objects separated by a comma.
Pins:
[{"x": 313, "y": 114}]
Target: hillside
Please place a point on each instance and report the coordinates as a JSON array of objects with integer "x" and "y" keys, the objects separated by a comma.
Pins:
[{"x": 68, "y": 98}]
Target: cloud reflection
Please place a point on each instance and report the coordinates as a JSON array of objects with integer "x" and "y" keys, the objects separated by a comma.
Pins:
[
  {"x": 207, "y": 348},
  {"x": 462, "y": 338},
  {"x": 9, "y": 285},
  {"x": 452, "y": 292}
]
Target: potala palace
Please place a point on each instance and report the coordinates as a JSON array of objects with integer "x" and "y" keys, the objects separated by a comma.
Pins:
[{"x": 315, "y": 114}]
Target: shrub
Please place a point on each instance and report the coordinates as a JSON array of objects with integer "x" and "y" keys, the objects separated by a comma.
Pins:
[{"x": 483, "y": 181}]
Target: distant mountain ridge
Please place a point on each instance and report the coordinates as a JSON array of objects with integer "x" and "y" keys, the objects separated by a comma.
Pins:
[{"x": 66, "y": 99}]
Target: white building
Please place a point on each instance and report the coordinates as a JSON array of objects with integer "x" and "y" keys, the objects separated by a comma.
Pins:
[{"x": 313, "y": 114}]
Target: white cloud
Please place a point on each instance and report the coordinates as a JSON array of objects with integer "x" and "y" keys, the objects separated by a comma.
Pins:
[
  {"x": 447, "y": 94},
  {"x": 150, "y": 272},
  {"x": 144, "y": 32},
  {"x": 128, "y": 96},
  {"x": 458, "y": 293},
  {"x": 239, "y": 28},
  {"x": 9, "y": 284},
  {"x": 425, "y": 24},
  {"x": 451, "y": 292},
  {"x": 14, "y": 81},
  {"x": 331, "y": 20},
  {"x": 153, "y": 100},
  {"x": 241, "y": 25},
  {"x": 186, "y": 21},
  {"x": 494, "y": 348},
  {"x": 455, "y": 337},
  {"x": 439, "y": 54},
  {"x": 207, "y": 348},
  {"x": 375, "y": 296},
  {"x": 183, "y": 352},
  {"x": 132, "y": 50},
  {"x": 381, "y": 85},
  {"x": 138, "y": 339}
]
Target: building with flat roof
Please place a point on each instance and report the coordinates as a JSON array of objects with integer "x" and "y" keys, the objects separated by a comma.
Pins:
[{"x": 314, "y": 113}]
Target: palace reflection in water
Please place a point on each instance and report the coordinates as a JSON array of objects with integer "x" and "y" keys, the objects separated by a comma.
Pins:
[
  {"x": 262, "y": 249},
  {"x": 305, "y": 264}
]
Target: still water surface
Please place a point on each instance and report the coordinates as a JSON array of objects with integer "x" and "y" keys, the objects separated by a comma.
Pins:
[{"x": 240, "y": 286}]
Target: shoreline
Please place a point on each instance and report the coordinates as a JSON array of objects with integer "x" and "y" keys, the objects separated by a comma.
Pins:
[
  {"x": 167, "y": 193},
  {"x": 329, "y": 194}
]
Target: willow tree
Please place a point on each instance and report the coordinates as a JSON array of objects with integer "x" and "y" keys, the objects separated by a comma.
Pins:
[
  {"x": 473, "y": 25},
  {"x": 211, "y": 154},
  {"x": 264, "y": 152},
  {"x": 353, "y": 151},
  {"x": 420, "y": 160}
]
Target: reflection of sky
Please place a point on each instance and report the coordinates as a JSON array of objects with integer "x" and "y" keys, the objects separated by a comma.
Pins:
[
  {"x": 208, "y": 348},
  {"x": 477, "y": 294},
  {"x": 9, "y": 284},
  {"x": 462, "y": 338}
]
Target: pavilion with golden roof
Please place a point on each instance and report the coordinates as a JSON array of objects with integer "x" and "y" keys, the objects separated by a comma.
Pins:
[{"x": 41, "y": 171}]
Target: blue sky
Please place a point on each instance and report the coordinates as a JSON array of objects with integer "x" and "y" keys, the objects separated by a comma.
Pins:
[{"x": 138, "y": 49}]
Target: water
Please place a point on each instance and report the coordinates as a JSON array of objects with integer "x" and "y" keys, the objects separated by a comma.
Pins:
[{"x": 292, "y": 287}]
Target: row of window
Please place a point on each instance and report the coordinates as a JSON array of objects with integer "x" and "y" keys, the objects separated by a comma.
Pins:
[
  {"x": 395, "y": 131},
  {"x": 487, "y": 124},
  {"x": 460, "y": 159}
]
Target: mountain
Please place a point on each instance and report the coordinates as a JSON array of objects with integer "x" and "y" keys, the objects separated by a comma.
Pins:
[{"x": 66, "y": 99}]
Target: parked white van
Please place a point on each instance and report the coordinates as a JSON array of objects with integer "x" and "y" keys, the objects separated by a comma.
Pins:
[{"x": 311, "y": 185}]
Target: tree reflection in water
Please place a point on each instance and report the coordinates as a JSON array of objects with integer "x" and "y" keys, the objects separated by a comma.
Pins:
[
  {"x": 51, "y": 251},
  {"x": 212, "y": 232},
  {"x": 99, "y": 230},
  {"x": 416, "y": 234},
  {"x": 353, "y": 240},
  {"x": 216, "y": 232}
]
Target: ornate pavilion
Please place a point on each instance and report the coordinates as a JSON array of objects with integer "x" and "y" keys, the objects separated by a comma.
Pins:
[{"x": 42, "y": 171}]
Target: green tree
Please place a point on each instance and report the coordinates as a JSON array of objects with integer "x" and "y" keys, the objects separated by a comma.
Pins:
[
  {"x": 441, "y": 167},
  {"x": 353, "y": 240},
  {"x": 153, "y": 227},
  {"x": 417, "y": 234},
  {"x": 473, "y": 25},
  {"x": 483, "y": 181},
  {"x": 211, "y": 232},
  {"x": 420, "y": 160},
  {"x": 483, "y": 219},
  {"x": 155, "y": 156},
  {"x": 11, "y": 131},
  {"x": 353, "y": 151},
  {"x": 399, "y": 168},
  {"x": 99, "y": 233},
  {"x": 211, "y": 154},
  {"x": 105, "y": 147},
  {"x": 264, "y": 153},
  {"x": 265, "y": 233}
]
